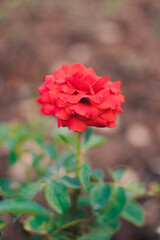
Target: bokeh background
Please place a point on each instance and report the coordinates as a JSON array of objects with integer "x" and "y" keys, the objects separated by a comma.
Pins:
[{"x": 119, "y": 38}]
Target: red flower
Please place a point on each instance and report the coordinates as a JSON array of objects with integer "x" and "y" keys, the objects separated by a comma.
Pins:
[{"x": 79, "y": 98}]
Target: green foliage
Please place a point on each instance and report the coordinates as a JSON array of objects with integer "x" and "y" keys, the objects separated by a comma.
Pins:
[
  {"x": 88, "y": 135},
  {"x": 85, "y": 174},
  {"x": 94, "y": 141},
  {"x": 99, "y": 195},
  {"x": 115, "y": 203},
  {"x": 70, "y": 182},
  {"x": 57, "y": 196},
  {"x": 30, "y": 190},
  {"x": 97, "y": 174},
  {"x": 39, "y": 224},
  {"x": 82, "y": 205},
  {"x": 117, "y": 174},
  {"x": 133, "y": 213},
  {"x": 22, "y": 206},
  {"x": 3, "y": 224}
]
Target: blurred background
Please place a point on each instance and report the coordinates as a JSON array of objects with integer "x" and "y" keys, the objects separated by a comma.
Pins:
[{"x": 119, "y": 38}]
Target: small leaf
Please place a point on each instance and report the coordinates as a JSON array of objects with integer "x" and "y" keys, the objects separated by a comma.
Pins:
[
  {"x": 99, "y": 195},
  {"x": 38, "y": 224},
  {"x": 57, "y": 196},
  {"x": 94, "y": 141},
  {"x": 85, "y": 174},
  {"x": 3, "y": 224},
  {"x": 70, "y": 182},
  {"x": 88, "y": 135},
  {"x": 117, "y": 174},
  {"x": 97, "y": 174},
  {"x": 22, "y": 206},
  {"x": 133, "y": 213},
  {"x": 30, "y": 190}
]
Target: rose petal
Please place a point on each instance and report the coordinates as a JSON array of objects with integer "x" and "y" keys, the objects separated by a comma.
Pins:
[
  {"x": 61, "y": 123},
  {"x": 99, "y": 84},
  {"x": 76, "y": 125},
  {"x": 97, "y": 122},
  {"x": 61, "y": 114},
  {"x": 48, "y": 109},
  {"x": 109, "y": 116},
  {"x": 111, "y": 124},
  {"x": 70, "y": 98},
  {"x": 83, "y": 109}
]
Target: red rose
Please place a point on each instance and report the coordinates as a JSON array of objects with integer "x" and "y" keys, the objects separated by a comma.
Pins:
[{"x": 79, "y": 98}]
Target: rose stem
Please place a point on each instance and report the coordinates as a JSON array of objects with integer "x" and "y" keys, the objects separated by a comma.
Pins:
[{"x": 78, "y": 153}]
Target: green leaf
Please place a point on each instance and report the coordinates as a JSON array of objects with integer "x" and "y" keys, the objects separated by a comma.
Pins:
[
  {"x": 57, "y": 196},
  {"x": 65, "y": 136},
  {"x": 50, "y": 150},
  {"x": 97, "y": 174},
  {"x": 94, "y": 141},
  {"x": 30, "y": 190},
  {"x": 2, "y": 224},
  {"x": 70, "y": 182},
  {"x": 115, "y": 203},
  {"x": 61, "y": 237},
  {"x": 38, "y": 224},
  {"x": 99, "y": 195},
  {"x": 22, "y": 206},
  {"x": 98, "y": 232},
  {"x": 88, "y": 135},
  {"x": 133, "y": 213},
  {"x": 117, "y": 174},
  {"x": 5, "y": 186},
  {"x": 85, "y": 174},
  {"x": 35, "y": 159},
  {"x": 12, "y": 157}
]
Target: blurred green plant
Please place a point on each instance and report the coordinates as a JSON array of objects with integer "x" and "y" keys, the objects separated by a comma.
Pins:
[{"x": 81, "y": 205}]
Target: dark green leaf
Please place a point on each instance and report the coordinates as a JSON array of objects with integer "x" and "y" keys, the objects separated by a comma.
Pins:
[
  {"x": 22, "y": 206},
  {"x": 61, "y": 237},
  {"x": 12, "y": 157},
  {"x": 38, "y": 224},
  {"x": 57, "y": 196},
  {"x": 70, "y": 182},
  {"x": 85, "y": 174},
  {"x": 115, "y": 203},
  {"x": 88, "y": 135},
  {"x": 35, "y": 158},
  {"x": 30, "y": 190},
  {"x": 5, "y": 186},
  {"x": 133, "y": 213},
  {"x": 99, "y": 195}
]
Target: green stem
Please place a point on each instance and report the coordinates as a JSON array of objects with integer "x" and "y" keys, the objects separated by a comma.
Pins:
[
  {"x": 78, "y": 153},
  {"x": 68, "y": 225}
]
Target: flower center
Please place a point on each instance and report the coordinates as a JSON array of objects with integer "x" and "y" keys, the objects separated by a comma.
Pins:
[{"x": 84, "y": 100}]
